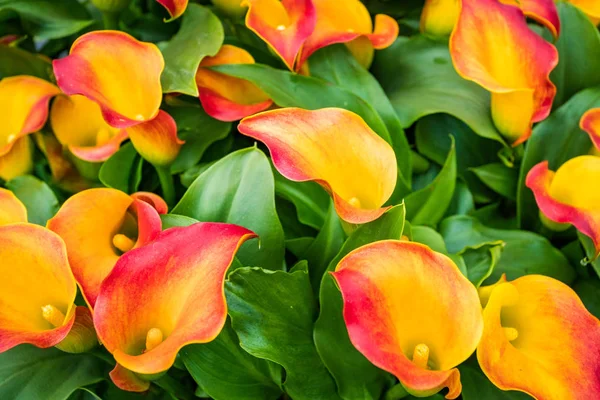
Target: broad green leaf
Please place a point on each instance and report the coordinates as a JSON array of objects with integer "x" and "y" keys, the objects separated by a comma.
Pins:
[
  {"x": 27, "y": 372},
  {"x": 15, "y": 61},
  {"x": 342, "y": 359},
  {"x": 50, "y": 19},
  {"x": 524, "y": 252},
  {"x": 429, "y": 237},
  {"x": 273, "y": 314},
  {"x": 239, "y": 189},
  {"x": 171, "y": 220},
  {"x": 201, "y": 34},
  {"x": 500, "y": 215},
  {"x": 499, "y": 178},
  {"x": 225, "y": 371},
  {"x": 480, "y": 261},
  {"x": 418, "y": 76},
  {"x": 476, "y": 386},
  {"x": 123, "y": 170},
  {"x": 36, "y": 195},
  {"x": 556, "y": 139},
  {"x": 588, "y": 291},
  {"x": 428, "y": 205},
  {"x": 462, "y": 200},
  {"x": 292, "y": 227}
]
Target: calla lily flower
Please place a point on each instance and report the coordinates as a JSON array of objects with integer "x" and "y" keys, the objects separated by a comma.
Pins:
[
  {"x": 98, "y": 226},
  {"x": 157, "y": 140},
  {"x": 590, "y": 7},
  {"x": 165, "y": 295},
  {"x": 12, "y": 211},
  {"x": 224, "y": 97},
  {"x": 335, "y": 148},
  {"x": 18, "y": 161},
  {"x": 411, "y": 312},
  {"x": 38, "y": 288},
  {"x": 24, "y": 104},
  {"x": 106, "y": 67},
  {"x": 78, "y": 124},
  {"x": 176, "y": 8},
  {"x": 569, "y": 195},
  {"x": 590, "y": 123},
  {"x": 538, "y": 338},
  {"x": 517, "y": 76}
]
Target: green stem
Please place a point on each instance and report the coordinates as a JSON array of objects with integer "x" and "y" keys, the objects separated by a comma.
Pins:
[
  {"x": 396, "y": 392},
  {"x": 111, "y": 20},
  {"x": 167, "y": 184}
]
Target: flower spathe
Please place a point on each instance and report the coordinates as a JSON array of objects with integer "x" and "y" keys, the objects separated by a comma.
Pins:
[
  {"x": 224, "y": 97},
  {"x": 156, "y": 140},
  {"x": 38, "y": 288},
  {"x": 590, "y": 7},
  {"x": 517, "y": 76},
  {"x": 19, "y": 159},
  {"x": 570, "y": 195},
  {"x": 590, "y": 123},
  {"x": 162, "y": 296},
  {"x": 105, "y": 66},
  {"x": 539, "y": 338},
  {"x": 12, "y": 211},
  {"x": 175, "y": 8},
  {"x": 335, "y": 148},
  {"x": 411, "y": 312},
  {"x": 98, "y": 225}
]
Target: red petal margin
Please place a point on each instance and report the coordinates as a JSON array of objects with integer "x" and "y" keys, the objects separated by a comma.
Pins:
[
  {"x": 176, "y": 8},
  {"x": 222, "y": 109},
  {"x": 543, "y": 11},
  {"x": 590, "y": 123}
]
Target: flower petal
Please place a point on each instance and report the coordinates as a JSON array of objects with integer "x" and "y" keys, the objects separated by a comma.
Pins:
[
  {"x": 128, "y": 380},
  {"x": 18, "y": 161},
  {"x": 154, "y": 200},
  {"x": 398, "y": 295},
  {"x": 116, "y": 71},
  {"x": 439, "y": 17},
  {"x": 570, "y": 195},
  {"x": 284, "y": 25},
  {"x": 173, "y": 285},
  {"x": 555, "y": 352},
  {"x": 333, "y": 147},
  {"x": 12, "y": 211},
  {"x": 156, "y": 140},
  {"x": 24, "y": 104},
  {"x": 543, "y": 11},
  {"x": 590, "y": 123},
  {"x": 517, "y": 76},
  {"x": 34, "y": 273},
  {"x": 589, "y": 7},
  {"x": 176, "y": 8}
]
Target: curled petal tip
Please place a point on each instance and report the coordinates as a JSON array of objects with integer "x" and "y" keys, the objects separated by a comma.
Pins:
[
  {"x": 590, "y": 123},
  {"x": 156, "y": 140},
  {"x": 12, "y": 211},
  {"x": 176, "y": 8}
]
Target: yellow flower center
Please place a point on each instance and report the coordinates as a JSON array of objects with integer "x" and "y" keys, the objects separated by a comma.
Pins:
[
  {"x": 122, "y": 242},
  {"x": 421, "y": 355},
  {"x": 53, "y": 315},
  {"x": 354, "y": 202},
  {"x": 154, "y": 337},
  {"x": 511, "y": 333}
]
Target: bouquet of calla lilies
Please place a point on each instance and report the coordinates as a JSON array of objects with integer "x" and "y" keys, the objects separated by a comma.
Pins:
[{"x": 299, "y": 199}]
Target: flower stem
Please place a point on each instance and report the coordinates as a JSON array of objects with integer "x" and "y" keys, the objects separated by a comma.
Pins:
[{"x": 167, "y": 184}]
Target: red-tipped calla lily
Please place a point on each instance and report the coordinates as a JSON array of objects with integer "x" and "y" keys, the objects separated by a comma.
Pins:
[
  {"x": 411, "y": 312},
  {"x": 78, "y": 124},
  {"x": 175, "y": 8},
  {"x": 12, "y": 211},
  {"x": 24, "y": 104},
  {"x": 538, "y": 338},
  {"x": 284, "y": 25},
  {"x": 38, "y": 288},
  {"x": 19, "y": 159},
  {"x": 569, "y": 195},
  {"x": 224, "y": 97},
  {"x": 98, "y": 225},
  {"x": 157, "y": 140},
  {"x": 590, "y": 123},
  {"x": 517, "y": 76},
  {"x": 335, "y": 148},
  {"x": 165, "y": 295},
  {"x": 116, "y": 71}
]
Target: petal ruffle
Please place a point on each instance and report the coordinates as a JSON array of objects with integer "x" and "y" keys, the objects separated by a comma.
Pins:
[
  {"x": 12, "y": 211},
  {"x": 116, "y": 71},
  {"x": 590, "y": 123},
  {"x": 400, "y": 296},
  {"x": 335, "y": 148},
  {"x": 156, "y": 140},
  {"x": 176, "y": 8}
]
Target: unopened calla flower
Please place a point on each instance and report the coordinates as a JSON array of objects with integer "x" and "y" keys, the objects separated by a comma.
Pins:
[
  {"x": 24, "y": 104},
  {"x": 590, "y": 123},
  {"x": 78, "y": 124},
  {"x": 569, "y": 195},
  {"x": 12, "y": 211},
  {"x": 165, "y": 295},
  {"x": 517, "y": 76},
  {"x": 98, "y": 226},
  {"x": 157, "y": 140},
  {"x": 116, "y": 71},
  {"x": 411, "y": 312},
  {"x": 19, "y": 159},
  {"x": 538, "y": 338},
  {"x": 176, "y": 8},
  {"x": 225, "y": 97},
  {"x": 335, "y": 148}
]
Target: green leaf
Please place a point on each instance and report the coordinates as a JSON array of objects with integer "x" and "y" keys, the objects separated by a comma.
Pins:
[
  {"x": 36, "y": 195},
  {"x": 556, "y": 139},
  {"x": 27, "y": 372},
  {"x": 477, "y": 386},
  {"x": 578, "y": 53},
  {"x": 50, "y": 19},
  {"x": 225, "y": 371},
  {"x": 418, "y": 76},
  {"x": 14, "y": 61},
  {"x": 201, "y": 34},
  {"x": 428, "y": 205},
  {"x": 171, "y": 220},
  {"x": 499, "y": 178},
  {"x": 342, "y": 359},
  {"x": 524, "y": 252},
  {"x": 239, "y": 189},
  {"x": 480, "y": 261},
  {"x": 123, "y": 170},
  {"x": 273, "y": 312},
  {"x": 428, "y": 236},
  {"x": 588, "y": 291}
]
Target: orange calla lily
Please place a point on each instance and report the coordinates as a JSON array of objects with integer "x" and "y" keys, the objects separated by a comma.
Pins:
[
  {"x": 12, "y": 211},
  {"x": 517, "y": 76},
  {"x": 224, "y": 97},
  {"x": 24, "y": 104},
  {"x": 539, "y": 338},
  {"x": 590, "y": 123},
  {"x": 165, "y": 295},
  {"x": 116, "y": 71},
  {"x": 38, "y": 288},
  {"x": 335, "y": 148},
  {"x": 411, "y": 312},
  {"x": 157, "y": 140},
  {"x": 569, "y": 195},
  {"x": 176, "y": 8},
  {"x": 590, "y": 7},
  {"x": 78, "y": 124},
  {"x": 18, "y": 161},
  {"x": 98, "y": 225}
]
